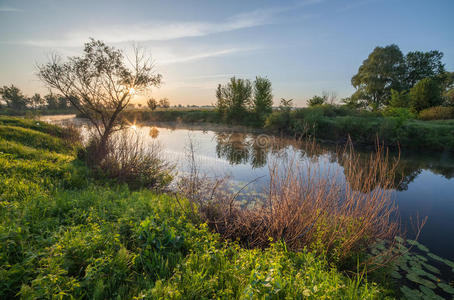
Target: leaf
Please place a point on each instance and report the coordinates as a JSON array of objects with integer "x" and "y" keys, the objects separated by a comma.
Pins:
[{"x": 446, "y": 288}]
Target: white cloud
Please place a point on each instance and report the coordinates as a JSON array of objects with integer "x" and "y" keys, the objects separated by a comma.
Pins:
[
  {"x": 166, "y": 59},
  {"x": 168, "y": 31}
]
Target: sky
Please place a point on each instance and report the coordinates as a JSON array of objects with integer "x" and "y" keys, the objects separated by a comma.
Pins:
[{"x": 305, "y": 47}]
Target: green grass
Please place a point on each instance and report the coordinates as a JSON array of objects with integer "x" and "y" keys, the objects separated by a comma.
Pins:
[{"x": 65, "y": 235}]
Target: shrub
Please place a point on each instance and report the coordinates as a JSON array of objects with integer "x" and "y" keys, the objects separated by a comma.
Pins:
[
  {"x": 132, "y": 161},
  {"x": 424, "y": 94},
  {"x": 437, "y": 113},
  {"x": 403, "y": 114}
]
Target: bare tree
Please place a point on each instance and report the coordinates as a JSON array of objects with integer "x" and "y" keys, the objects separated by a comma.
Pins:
[{"x": 100, "y": 84}]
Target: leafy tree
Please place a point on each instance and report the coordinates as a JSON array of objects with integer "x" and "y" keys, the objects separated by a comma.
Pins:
[
  {"x": 263, "y": 97},
  {"x": 102, "y": 83},
  {"x": 382, "y": 71},
  {"x": 234, "y": 97},
  {"x": 399, "y": 99},
  {"x": 164, "y": 103},
  {"x": 152, "y": 103},
  {"x": 426, "y": 93},
  {"x": 317, "y": 100},
  {"x": 14, "y": 98},
  {"x": 221, "y": 101},
  {"x": 420, "y": 65}
]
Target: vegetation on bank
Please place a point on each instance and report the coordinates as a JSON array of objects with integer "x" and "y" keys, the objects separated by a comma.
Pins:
[{"x": 65, "y": 234}]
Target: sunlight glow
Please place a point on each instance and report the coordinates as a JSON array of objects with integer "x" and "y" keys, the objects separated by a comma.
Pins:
[
  {"x": 133, "y": 127},
  {"x": 132, "y": 91}
]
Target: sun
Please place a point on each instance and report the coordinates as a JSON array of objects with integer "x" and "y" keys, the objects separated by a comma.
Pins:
[
  {"x": 133, "y": 127},
  {"x": 132, "y": 91}
]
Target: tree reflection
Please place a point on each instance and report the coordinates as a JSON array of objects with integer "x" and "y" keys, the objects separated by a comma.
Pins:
[{"x": 256, "y": 150}]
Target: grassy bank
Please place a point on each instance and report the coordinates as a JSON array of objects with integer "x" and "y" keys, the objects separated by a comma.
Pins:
[
  {"x": 329, "y": 123},
  {"x": 67, "y": 235}
]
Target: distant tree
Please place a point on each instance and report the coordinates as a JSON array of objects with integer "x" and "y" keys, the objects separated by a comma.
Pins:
[
  {"x": 263, "y": 97},
  {"x": 286, "y": 105},
  {"x": 317, "y": 100},
  {"x": 103, "y": 85},
  {"x": 14, "y": 98},
  {"x": 152, "y": 103},
  {"x": 420, "y": 65},
  {"x": 37, "y": 101},
  {"x": 164, "y": 103},
  {"x": 382, "y": 71},
  {"x": 63, "y": 103},
  {"x": 399, "y": 99},
  {"x": 139, "y": 105},
  {"x": 426, "y": 93},
  {"x": 51, "y": 101}
]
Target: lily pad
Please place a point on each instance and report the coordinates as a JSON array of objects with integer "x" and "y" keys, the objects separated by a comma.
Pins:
[
  {"x": 431, "y": 268},
  {"x": 429, "y": 294},
  {"x": 409, "y": 293},
  {"x": 419, "y": 245},
  {"x": 446, "y": 287},
  {"x": 416, "y": 279}
]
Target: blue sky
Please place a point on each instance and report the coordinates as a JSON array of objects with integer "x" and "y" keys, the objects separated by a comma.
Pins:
[{"x": 305, "y": 47}]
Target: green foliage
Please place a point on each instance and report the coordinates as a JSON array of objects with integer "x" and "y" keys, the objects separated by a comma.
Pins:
[
  {"x": 420, "y": 65},
  {"x": 437, "y": 113},
  {"x": 263, "y": 98},
  {"x": 399, "y": 99},
  {"x": 426, "y": 93},
  {"x": 378, "y": 74},
  {"x": 230, "y": 272},
  {"x": 234, "y": 98},
  {"x": 316, "y": 100},
  {"x": 65, "y": 235},
  {"x": 402, "y": 113}
]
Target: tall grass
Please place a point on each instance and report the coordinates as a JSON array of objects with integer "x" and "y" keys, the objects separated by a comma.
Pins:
[{"x": 307, "y": 206}]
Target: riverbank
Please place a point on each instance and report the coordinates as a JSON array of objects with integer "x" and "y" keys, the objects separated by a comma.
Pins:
[
  {"x": 334, "y": 124},
  {"x": 65, "y": 233}
]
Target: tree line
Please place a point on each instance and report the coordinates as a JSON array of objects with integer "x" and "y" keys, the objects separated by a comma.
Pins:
[{"x": 13, "y": 98}]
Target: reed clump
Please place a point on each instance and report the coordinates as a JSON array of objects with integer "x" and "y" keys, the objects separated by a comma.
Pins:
[{"x": 337, "y": 211}]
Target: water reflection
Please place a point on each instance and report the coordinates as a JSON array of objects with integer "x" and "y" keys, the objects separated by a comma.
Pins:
[{"x": 256, "y": 150}]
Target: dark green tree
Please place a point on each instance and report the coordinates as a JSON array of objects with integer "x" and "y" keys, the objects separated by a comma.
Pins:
[
  {"x": 263, "y": 97},
  {"x": 382, "y": 71},
  {"x": 420, "y": 65},
  {"x": 424, "y": 94},
  {"x": 14, "y": 98}
]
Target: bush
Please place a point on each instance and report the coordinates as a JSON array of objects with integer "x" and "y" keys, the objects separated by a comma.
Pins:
[
  {"x": 424, "y": 94},
  {"x": 130, "y": 160},
  {"x": 437, "y": 113},
  {"x": 401, "y": 113}
]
